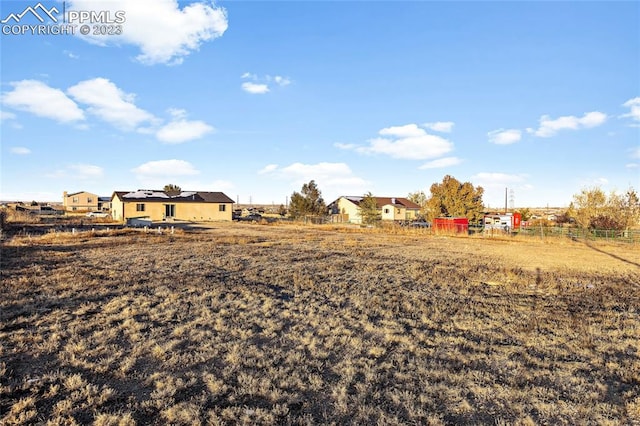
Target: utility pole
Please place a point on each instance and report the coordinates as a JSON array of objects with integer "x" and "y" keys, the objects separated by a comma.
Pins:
[
  {"x": 512, "y": 200},
  {"x": 505, "y": 201}
]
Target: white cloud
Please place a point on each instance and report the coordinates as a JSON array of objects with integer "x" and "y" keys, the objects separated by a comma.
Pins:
[
  {"x": 20, "y": 150},
  {"x": 492, "y": 179},
  {"x": 77, "y": 171},
  {"x": 634, "y": 109},
  {"x": 110, "y": 103},
  {"x": 255, "y": 88},
  {"x": 164, "y": 32},
  {"x": 406, "y": 131},
  {"x": 268, "y": 168},
  {"x": 504, "y": 137},
  {"x": 5, "y": 115},
  {"x": 330, "y": 177},
  {"x": 177, "y": 113},
  {"x": 549, "y": 127},
  {"x": 346, "y": 146},
  {"x": 261, "y": 85},
  {"x": 440, "y": 126},
  {"x": 163, "y": 168},
  {"x": 593, "y": 119},
  {"x": 409, "y": 142},
  {"x": 281, "y": 81},
  {"x": 179, "y": 131},
  {"x": 441, "y": 163},
  {"x": 86, "y": 171},
  {"x": 635, "y": 152},
  {"x": 70, "y": 54},
  {"x": 39, "y": 99},
  {"x": 632, "y": 165}
]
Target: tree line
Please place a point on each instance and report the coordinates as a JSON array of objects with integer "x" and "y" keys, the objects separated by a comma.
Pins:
[
  {"x": 591, "y": 208},
  {"x": 448, "y": 198}
]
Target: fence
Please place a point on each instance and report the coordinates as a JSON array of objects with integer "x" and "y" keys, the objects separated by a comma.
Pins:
[{"x": 628, "y": 236}]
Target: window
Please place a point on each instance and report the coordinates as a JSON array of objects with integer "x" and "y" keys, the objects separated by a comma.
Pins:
[
  {"x": 169, "y": 210},
  {"x": 386, "y": 211},
  {"x": 89, "y": 200},
  {"x": 139, "y": 207},
  {"x": 222, "y": 208},
  {"x": 74, "y": 200}
]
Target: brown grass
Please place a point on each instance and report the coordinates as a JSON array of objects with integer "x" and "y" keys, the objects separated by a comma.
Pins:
[{"x": 247, "y": 324}]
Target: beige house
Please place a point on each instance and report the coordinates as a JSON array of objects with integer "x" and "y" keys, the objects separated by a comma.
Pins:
[
  {"x": 347, "y": 209},
  {"x": 160, "y": 205},
  {"x": 80, "y": 201}
]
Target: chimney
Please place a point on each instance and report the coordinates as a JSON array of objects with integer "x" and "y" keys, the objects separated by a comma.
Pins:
[{"x": 393, "y": 201}]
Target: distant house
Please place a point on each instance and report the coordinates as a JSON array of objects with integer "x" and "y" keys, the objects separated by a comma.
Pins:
[
  {"x": 104, "y": 204},
  {"x": 160, "y": 205},
  {"x": 347, "y": 209},
  {"x": 80, "y": 201}
]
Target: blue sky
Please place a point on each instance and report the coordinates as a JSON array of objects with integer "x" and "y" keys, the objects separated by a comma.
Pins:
[{"x": 255, "y": 98}]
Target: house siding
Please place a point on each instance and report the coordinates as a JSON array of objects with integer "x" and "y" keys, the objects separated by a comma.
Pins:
[
  {"x": 345, "y": 210},
  {"x": 350, "y": 211},
  {"x": 117, "y": 209},
  {"x": 122, "y": 210},
  {"x": 80, "y": 201}
]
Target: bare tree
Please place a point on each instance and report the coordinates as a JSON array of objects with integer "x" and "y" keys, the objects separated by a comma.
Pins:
[{"x": 594, "y": 209}]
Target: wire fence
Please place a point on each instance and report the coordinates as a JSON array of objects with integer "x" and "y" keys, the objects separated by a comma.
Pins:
[{"x": 626, "y": 236}]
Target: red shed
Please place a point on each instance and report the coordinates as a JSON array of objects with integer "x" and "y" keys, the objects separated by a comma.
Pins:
[
  {"x": 451, "y": 224},
  {"x": 517, "y": 220}
]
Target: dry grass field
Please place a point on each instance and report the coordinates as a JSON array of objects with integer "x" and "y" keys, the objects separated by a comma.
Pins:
[{"x": 255, "y": 324}]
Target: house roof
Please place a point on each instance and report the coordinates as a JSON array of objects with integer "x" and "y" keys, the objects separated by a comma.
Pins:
[
  {"x": 383, "y": 201},
  {"x": 161, "y": 196},
  {"x": 80, "y": 192}
]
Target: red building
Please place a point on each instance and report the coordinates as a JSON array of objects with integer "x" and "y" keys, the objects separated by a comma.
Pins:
[{"x": 451, "y": 224}]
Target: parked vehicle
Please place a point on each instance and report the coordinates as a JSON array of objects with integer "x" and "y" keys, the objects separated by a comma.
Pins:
[
  {"x": 253, "y": 217},
  {"x": 47, "y": 210},
  {"x": 420, "y": 224},
  {"x": 97, "y": 214}
]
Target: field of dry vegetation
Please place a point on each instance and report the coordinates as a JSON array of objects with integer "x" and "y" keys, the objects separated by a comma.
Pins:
[{"x": 255, "y": 324}]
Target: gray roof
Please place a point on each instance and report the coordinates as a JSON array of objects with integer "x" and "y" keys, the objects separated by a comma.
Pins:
[
  {"x": 383, "y": 201},
  {"x": 162, "y": 196}
]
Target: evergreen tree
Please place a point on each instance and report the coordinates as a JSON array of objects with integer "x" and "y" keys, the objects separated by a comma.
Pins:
[
  {"x": 307, "y": 202},
  {"x": 369, "y": 210}
]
